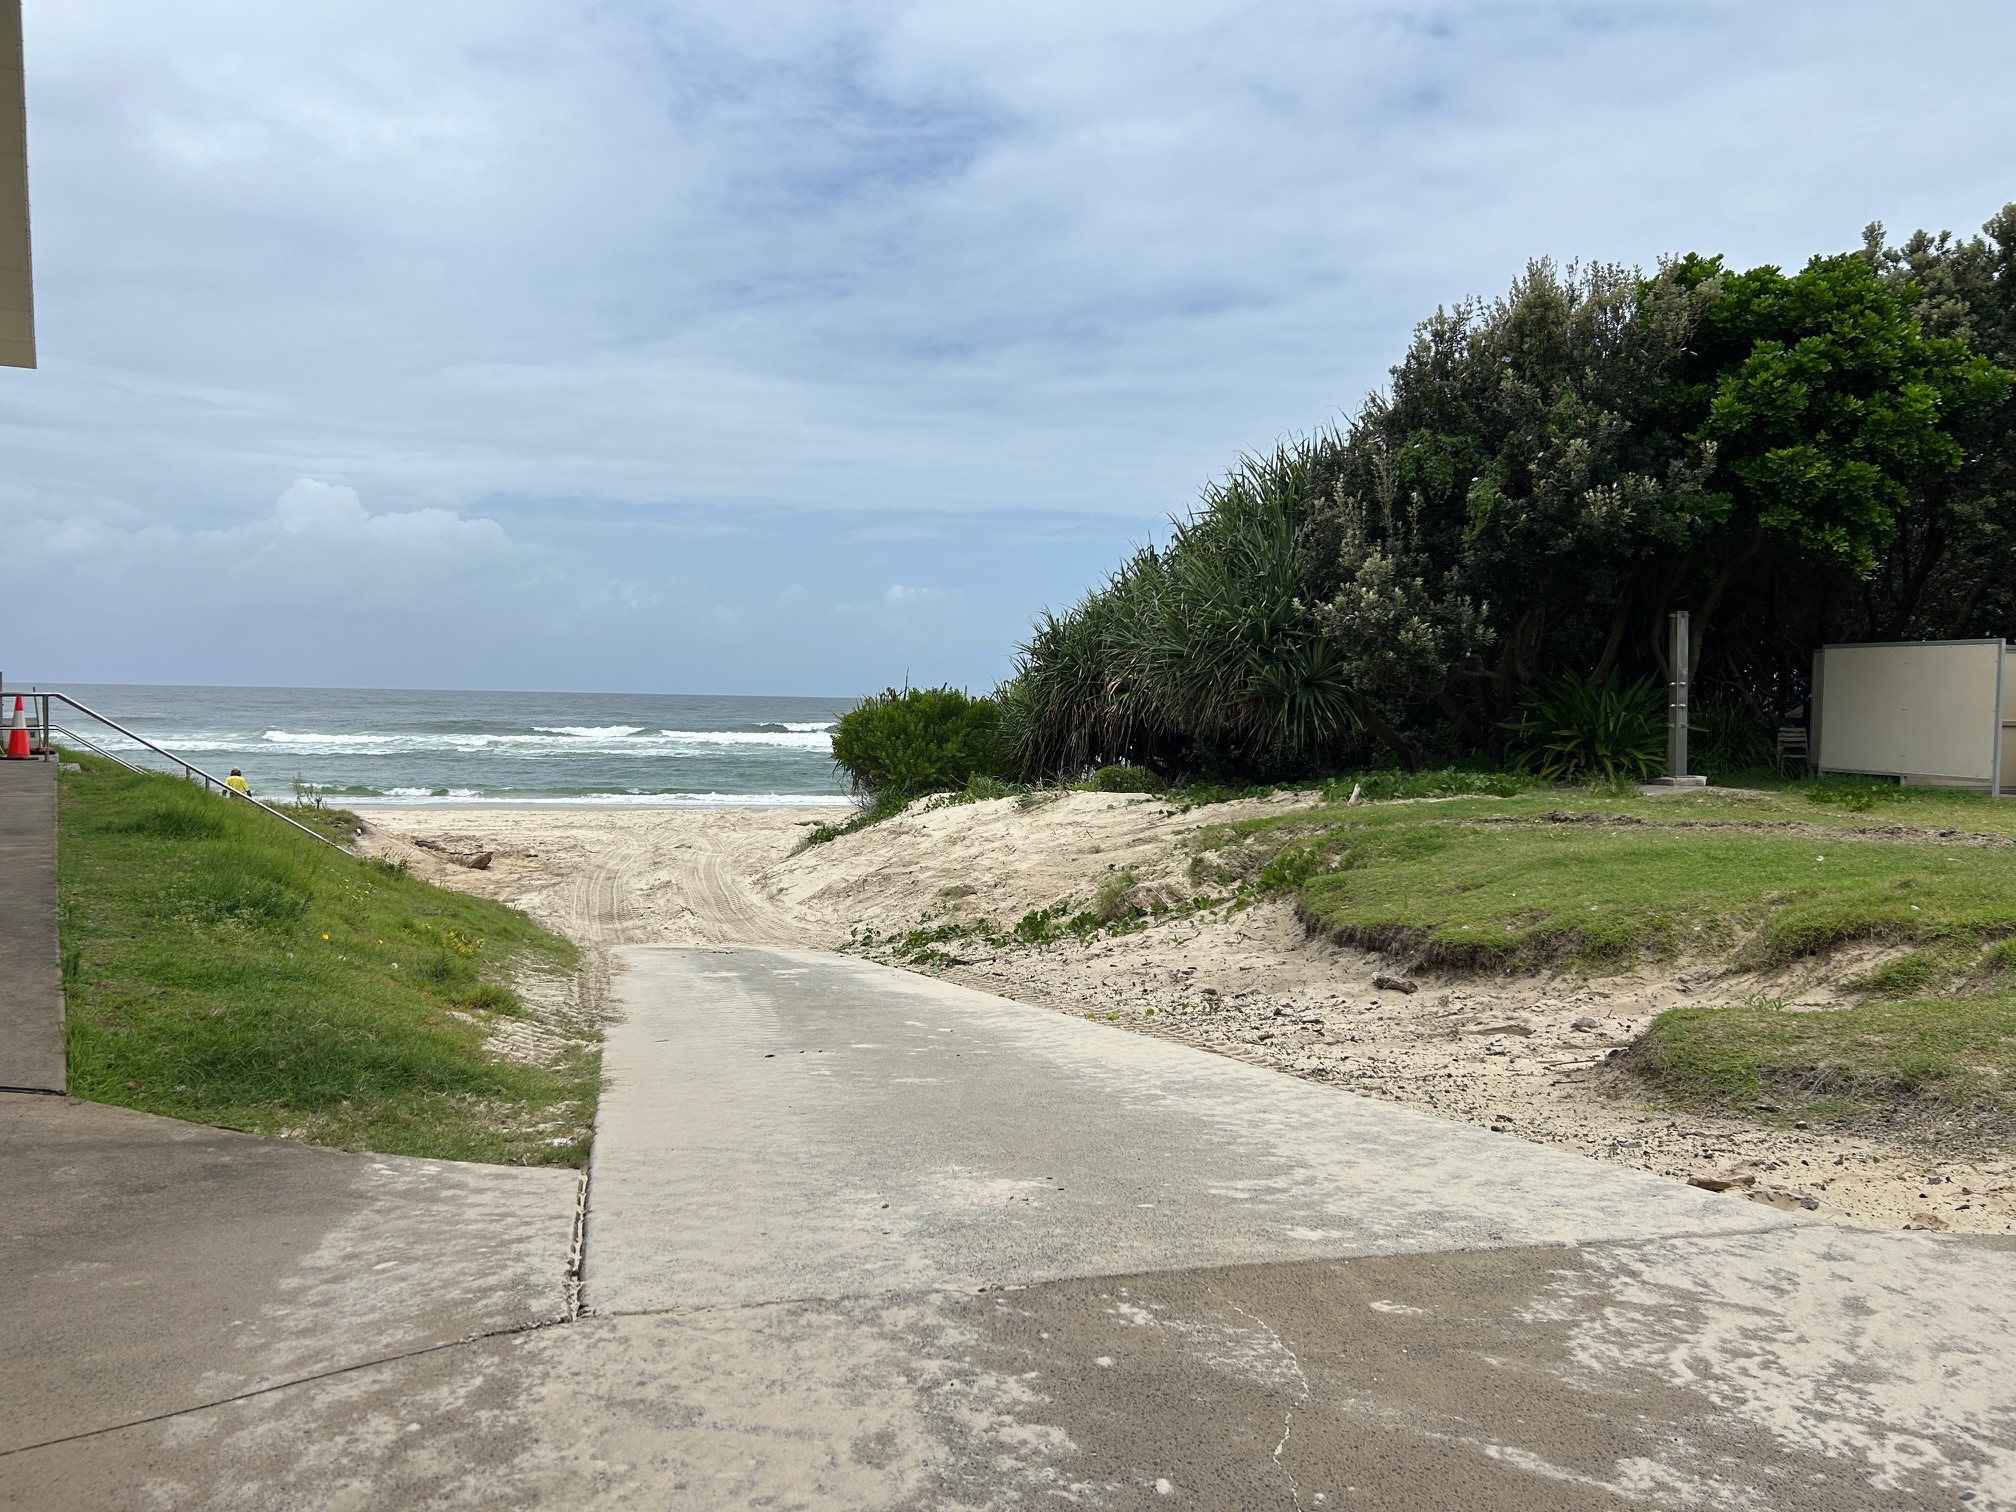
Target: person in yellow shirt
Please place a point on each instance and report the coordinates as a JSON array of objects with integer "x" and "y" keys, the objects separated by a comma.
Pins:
[{"x": 236, "y": 782}]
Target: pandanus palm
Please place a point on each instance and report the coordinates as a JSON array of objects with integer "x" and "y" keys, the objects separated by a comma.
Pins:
[{"x": 1201, "y": 652}]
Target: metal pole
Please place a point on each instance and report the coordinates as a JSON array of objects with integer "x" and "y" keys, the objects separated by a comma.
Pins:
[
  {"x": 1676, "y": 702},
  {"x": 1676, "y": 713}
]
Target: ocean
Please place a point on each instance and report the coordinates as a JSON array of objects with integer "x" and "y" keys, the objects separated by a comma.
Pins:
[{"x": 358, "y": 747}]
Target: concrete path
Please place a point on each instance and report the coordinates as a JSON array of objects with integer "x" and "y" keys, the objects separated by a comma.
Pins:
[
  {"x": 1111, "y": 1272},
  {"x": 31, "y": 984},
  {"x": 155, "y": 1269},
  {"x": 796, "y": 1124}
]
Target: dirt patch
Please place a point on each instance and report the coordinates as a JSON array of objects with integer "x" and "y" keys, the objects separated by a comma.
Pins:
[{"x": 1886, "y": 832}]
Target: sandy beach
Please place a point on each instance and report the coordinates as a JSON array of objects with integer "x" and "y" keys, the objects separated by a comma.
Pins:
[{"x": 1523, "y": 1055}]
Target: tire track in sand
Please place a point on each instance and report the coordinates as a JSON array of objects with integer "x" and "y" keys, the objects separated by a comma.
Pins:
[
  {"x": 650, "y": 878},
  {"x": 678, "y": 878}
]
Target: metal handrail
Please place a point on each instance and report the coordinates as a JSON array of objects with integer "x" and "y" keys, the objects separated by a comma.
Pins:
[
  {"x": 88, "y": 743},
  {"x": 190, "y": 770}
]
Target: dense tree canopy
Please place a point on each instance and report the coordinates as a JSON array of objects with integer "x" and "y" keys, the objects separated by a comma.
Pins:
[{"x": 1796, "y": 458}]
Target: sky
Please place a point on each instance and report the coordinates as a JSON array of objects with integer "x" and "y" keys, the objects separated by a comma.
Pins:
[{"x": 773, "y": 347}]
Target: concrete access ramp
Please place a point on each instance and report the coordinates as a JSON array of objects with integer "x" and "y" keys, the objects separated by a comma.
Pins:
[
  {"x": 856, "y": 1238},
  {"x": 31, "y": 980},
  {"x": 796, "y": 1124},
  {"x": 905, "y": 1244}
]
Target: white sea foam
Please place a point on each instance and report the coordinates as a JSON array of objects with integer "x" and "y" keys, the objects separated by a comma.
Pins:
[
  {"x": 405, "y": 798},
  {"x": 627, "y": 740},
  {"x": 802, "y": 740},
  {"x": 611, "y": 740},
  {"x": 494, "y": 760}
]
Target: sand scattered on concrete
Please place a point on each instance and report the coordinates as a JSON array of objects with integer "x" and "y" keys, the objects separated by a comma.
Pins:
[{"x": 1526, "y": 1055}]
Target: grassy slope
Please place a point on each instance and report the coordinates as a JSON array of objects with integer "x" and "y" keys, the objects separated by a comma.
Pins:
[
  {"x": 1588, "y": 880},
  {"x": 1951, "y": 1059},
  {"x": 223, "y": 968}
]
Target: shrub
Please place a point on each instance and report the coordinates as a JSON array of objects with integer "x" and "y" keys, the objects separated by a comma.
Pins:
[
  {"x": 1294, "y": 866},
  {"x": 1731, "y": 737},
  {"x": 1115, "y": 899},
  {"x": 1199, "y": 656},
  {"x": 1125, "y": 779},
  {"x": 1444, "y": 782},
  {"x": 1601, "y": 732},
  {"x": 905, "y": 742}
]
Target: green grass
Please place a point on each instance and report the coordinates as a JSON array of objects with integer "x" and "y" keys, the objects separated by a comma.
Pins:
[
  {"x": 1747, "y": 878},
  {"x": 863, "y": 816},
  {"x": 1115, "y": 910},
  {"x": 1946, "y": 1060},
  {"x": 337, "y": 824},
  {"x": 1124, "y": 779},
  {"x": 1919, "y": 972},
  {"x": 223, "y": 968},
  {"x": 1762, "y": 877}
]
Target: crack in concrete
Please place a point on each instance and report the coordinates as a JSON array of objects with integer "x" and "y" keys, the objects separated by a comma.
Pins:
[
  {"x": 577, "y": 1246},
  {"x": 292, "y": 1381},
  {"x": 1288, "y": 1418}
]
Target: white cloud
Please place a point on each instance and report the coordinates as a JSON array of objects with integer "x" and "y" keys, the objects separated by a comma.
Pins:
[
  {"x": 311, "y": 507},
  {"x": 899, "y": 597},
  {"x": 493, "y": 264},
  {"x": 901, "y": 602},
  {"x": 317, "y": 567},
  {"x": 316, "y": 534}
]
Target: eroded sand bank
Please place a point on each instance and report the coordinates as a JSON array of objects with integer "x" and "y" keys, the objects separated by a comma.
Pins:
[{"x": 1522, "y": 1054}]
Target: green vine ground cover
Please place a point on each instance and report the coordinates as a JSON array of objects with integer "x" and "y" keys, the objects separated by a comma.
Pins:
[{"x": 222, "y": 968}]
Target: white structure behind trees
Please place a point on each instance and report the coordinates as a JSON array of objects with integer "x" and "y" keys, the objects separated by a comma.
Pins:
[{"x": 1928, "y": 712}]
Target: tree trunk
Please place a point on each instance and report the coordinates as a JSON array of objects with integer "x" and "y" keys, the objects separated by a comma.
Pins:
[
  {"x": 1619, "y": 620},
  {"x": 1470, "y": 730},
  {"x": 1913, "y": 588},
  {"x": 1698, "y": 624},
  {"x": 1389, "y": 737}
]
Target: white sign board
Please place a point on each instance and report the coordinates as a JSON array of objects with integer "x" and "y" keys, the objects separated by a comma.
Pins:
[{"x": 1910, "y": 709}]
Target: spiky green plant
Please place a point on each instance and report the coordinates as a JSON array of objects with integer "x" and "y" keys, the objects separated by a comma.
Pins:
[
  {"x": 1606, "y": 732},
  {"x": 1198, "y": 656}
]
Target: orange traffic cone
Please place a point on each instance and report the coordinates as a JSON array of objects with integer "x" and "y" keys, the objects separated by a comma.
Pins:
[{"x": 17, "y": 733}]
